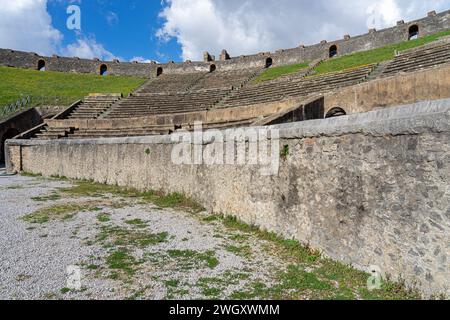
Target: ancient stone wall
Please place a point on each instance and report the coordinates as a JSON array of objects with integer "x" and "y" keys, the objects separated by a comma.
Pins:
[
  {"x": 366, "y": 189},
  {"x": 429, "y": 84},
  {"x": 16, "y": 124},
  {"x": 374, "y": 39}
]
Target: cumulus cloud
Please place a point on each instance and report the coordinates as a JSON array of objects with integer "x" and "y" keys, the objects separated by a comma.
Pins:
[
  {"x": 250, "y": 26},
  {"x": 26, "y": 25},
  {"x": 87, "y": 48},
  {"x": 140, "y": 59}
]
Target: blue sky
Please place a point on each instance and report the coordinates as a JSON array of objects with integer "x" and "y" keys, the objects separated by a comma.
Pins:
[
  {"x": 126, "y": 28},
  {"x": 178, "y": 30}
]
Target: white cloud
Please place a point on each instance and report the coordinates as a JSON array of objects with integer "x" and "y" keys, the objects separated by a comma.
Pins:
[
  {"x": 251, "y": 26},
  {"x": 140, "y": 59},
  {"x": 87, "y": 48},
  {"x": 26, "y": 25}
]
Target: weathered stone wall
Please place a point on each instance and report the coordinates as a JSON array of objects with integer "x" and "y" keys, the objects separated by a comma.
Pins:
[
  {"x": 366, "y": 189},
  {"x": 16, "y": 124},
  {"x": 429, "y": 84},
  {"x": 374, "y": 39}
]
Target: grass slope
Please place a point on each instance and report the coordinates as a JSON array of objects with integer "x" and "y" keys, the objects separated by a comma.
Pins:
[
  {"x": 375, "y": 55},
  {"x": 67, "y": 87},
  {"x": 276, "y": 72}
]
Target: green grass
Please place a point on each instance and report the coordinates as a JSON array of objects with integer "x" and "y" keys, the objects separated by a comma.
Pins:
[
  {"x": 244, "y": 251},
  {"x": 172, "y": 283},
  {"x": 350, "y": 61},
  {"x": 320, "y": 282},
  {"x": 51, "y": 197},
  {"x": 160, "y": 199},
  {"x": 59, "y": 212},
  {"x": 193, "y": 259},
  {"x": 65, "y": 290},
  {"x": 69, "y": 87},
  {"x": 374, "y": 56},
  {"x": 63, "y": 211},
  {"x": 137, "y": 222},
  {"x": 104, "y": 217},
  {"x": 121, "y": 260},
  {"x": 288, "y": 248},
  {"x": 118, "y": 236},
  {"x": 276, "y": 72}
]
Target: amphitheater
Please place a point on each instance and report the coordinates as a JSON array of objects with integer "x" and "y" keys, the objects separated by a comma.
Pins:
[{"x": 364, "y": 168}]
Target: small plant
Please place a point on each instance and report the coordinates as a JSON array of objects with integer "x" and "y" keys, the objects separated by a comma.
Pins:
[
  {"x": 284, "y": 152},
  {"x": 147, "y": 151},
  {"x": 121, "y": 260},
  {"x": 189, "y": 259},
  {"x": 51, "y": 197},
  {"x": 103, "y": 217},
  {"x": 243, "y": 251},
  {"x": 136, "y": 222},
  {"x": 29, "y": 174},
  {"x": 65, "y": 290},
  {"x": 172, "y": 283},
  {"x": 92, "y": 267}
]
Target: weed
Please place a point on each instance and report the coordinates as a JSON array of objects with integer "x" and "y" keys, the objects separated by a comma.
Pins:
[
  {"x": 123, "y": 261},
  {"x": 104, "y": 217},
  {"x": 284, "y": 152},
  {"x": 243, "y": 251}
]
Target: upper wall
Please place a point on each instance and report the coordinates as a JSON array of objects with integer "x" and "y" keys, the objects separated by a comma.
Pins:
[
  {"x": 374, "y": 39},
  {"x": 429, "y": 84}
]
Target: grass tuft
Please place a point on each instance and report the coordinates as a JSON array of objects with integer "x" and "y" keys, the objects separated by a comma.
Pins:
[
  {"x": 121, "y": 260},
  {"x": 190, "y": 259}
]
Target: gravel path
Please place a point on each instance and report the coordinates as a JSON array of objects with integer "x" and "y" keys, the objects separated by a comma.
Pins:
[{"x": 124, "y": 248}]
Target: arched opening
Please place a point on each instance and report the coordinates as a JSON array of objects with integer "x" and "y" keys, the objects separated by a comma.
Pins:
[
  {"x": 335, "y": 112},
  {"x": 41, "y": 65},
  {"x": 9, "y": 134},
  {"x": 333, "y": 51},
  {"x": 413, "y": 32},
  {"x": 269, "y": 62},
  {"x": 159, "y": 71},
  {"x": 103, "y": 70},
  {"x": 212, "y": 68}
]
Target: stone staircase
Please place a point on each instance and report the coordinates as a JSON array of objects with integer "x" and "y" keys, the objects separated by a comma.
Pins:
[
  {"x": 50, "y": 133},
  {"x": 378, "y": 71},
  {"x": 93, "y": 106}
]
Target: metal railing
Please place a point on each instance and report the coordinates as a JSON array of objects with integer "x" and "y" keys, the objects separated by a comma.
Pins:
[
  {"x": 20, "y": 104},
  {"x": 28, "y": 101}
]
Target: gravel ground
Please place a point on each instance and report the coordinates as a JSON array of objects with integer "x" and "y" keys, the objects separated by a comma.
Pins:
[{"x": 124, "y": 248}]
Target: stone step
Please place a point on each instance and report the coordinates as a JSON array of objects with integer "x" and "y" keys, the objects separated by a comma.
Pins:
[
  {"x": 421, "y": 50},
  {"x": 429, "y": 60}
]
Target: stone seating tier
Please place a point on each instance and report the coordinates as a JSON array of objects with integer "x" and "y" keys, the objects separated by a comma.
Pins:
[{"x": 420, "y": 58}]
